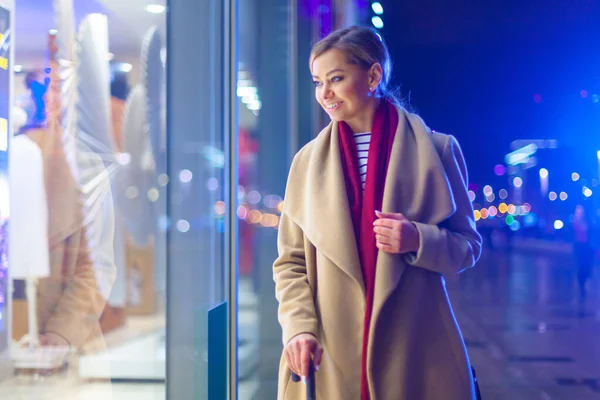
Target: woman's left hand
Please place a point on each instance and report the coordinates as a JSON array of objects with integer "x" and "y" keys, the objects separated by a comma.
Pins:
[{"x": 395, "y": 233}]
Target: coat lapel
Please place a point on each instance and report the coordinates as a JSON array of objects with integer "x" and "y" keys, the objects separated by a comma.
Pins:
[
  {"x": 320, "y": 206},
  {"x": 415, "y": 173}
]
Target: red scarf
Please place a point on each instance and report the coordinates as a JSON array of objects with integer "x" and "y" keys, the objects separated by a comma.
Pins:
[{"x": 362, "y": 207}]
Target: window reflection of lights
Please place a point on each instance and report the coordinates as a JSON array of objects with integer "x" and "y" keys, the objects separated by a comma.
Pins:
[
  {"x": 242, "y": 212},
  {"x": 126, "y": 67},
  {"x": 492, "y": 211},
  {"x": 220, "y": 207},
  {"x": 518, "y": 182},
  {"x": 153, "y": 194},
  {"x": 124, "y": 158},
  {"x": 509, "y": 220},
  {"x": 512, "y": 209},
  {"x": 552, "y": 196},
  {"x": 477, "y": 214},
  {"x": 526, "y": 208},
  {"x": 185, "y": 176},
  {"x": 543, "y": 173},
  {"x": 183, "y": 226},
  {"x": 155, "y": 8},
  {"x": 594, "y": 182},
  {"x": 254, "y": 106},
  {"x": 247, "y": 91},
  {"x": 212, "y": 184},
  {"x": 490, "y": 197},
  {"x": 503, "y": 193},
  {"x": 575, "y": 177},
  {"x": 163, "y": 180},
  {"x": 484, "y": 213},
  {"x": 132, "y": 192},
  {"x": 564, "y": 196},
  {"x": 587, "y": 192},
  {"x": 254, "y": 197},
  {"x": 471, "y": 196},
  {"x": 241, "y": 193},
  {"x": 487, "y": 190}
]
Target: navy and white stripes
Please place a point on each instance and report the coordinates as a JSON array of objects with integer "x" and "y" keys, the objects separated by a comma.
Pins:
[{"x": 363, "y": 140}]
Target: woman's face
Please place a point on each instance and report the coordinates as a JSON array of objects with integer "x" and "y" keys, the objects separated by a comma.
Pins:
[{"x": 341, "y": 88}]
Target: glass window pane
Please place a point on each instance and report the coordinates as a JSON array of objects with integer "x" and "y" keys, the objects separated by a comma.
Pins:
[{"x": 89, "y": 200}]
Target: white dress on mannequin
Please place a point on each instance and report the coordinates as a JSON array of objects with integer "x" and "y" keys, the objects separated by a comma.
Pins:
[{"x": 28, "y": 229}]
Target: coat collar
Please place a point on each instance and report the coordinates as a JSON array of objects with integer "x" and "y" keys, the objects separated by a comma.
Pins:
[
  {"x": 317, "y": 201},
  {"x": 416, "y": 186}
]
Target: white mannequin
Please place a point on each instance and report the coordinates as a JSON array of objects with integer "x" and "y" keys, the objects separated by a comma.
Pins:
[{"x": 28, "y": 229}]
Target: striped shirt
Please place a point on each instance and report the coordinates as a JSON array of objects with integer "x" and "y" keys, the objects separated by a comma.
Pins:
[{"x": 363, "y": 140}]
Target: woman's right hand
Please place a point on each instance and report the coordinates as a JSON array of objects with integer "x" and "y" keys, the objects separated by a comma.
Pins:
[{"x": 299, "y": 351}]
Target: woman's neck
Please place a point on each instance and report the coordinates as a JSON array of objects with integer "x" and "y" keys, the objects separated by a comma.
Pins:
[{"x": 363, "y": 122}]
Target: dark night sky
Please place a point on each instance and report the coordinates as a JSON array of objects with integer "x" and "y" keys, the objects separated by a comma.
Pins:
[{"x": 472, "y": 69}]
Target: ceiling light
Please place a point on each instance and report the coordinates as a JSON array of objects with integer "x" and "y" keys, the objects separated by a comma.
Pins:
[
  {"x": 126, "y": 67},
  {"x": 53, "y": 31},
  {"x": 110, "y": 56},
  {"x": 18, "y": 68},
  {"x": 155, "y": 8}
]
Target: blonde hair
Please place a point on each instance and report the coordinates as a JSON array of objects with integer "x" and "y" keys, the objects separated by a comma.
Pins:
[{"x": 363, "y": 47}]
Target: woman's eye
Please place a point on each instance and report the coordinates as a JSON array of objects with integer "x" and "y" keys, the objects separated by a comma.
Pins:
[
  {"x": 336, "y": 79},
  {"x": 316, "y": 83}
]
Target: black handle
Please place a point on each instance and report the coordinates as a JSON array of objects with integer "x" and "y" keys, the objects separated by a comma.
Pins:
[{"x": 311, "y": 393}]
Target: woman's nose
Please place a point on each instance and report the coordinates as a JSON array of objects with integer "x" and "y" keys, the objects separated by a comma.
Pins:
[{"x": 327, "y": 91}]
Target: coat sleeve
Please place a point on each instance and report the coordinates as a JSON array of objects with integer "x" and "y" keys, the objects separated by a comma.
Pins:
[
  {"x": 295, "y": 295},
  {"x": 455, "y": 244}
]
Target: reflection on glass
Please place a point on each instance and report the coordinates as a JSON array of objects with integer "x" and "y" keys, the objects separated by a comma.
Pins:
[{"x": 87, "y": 190}]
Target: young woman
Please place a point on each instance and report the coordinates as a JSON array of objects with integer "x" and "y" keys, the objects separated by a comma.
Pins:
[{"x": 376, "y": 213}]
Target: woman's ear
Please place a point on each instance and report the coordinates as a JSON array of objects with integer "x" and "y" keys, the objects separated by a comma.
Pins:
[{"x": 375, "y": 75}]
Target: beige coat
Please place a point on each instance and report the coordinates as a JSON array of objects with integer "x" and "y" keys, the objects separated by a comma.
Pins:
[{"x": 415, "y": 350}]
